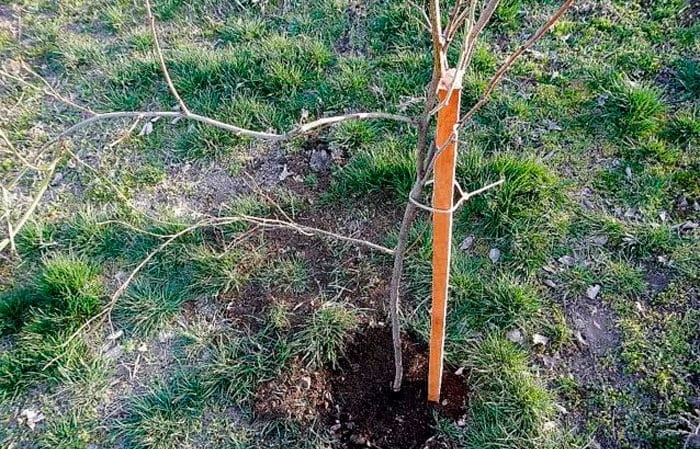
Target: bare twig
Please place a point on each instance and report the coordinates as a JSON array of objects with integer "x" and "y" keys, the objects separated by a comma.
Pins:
[
  {"x": 464, "y": 196},
  {"x": 152, "y": 21},
  {"x": 514, "y": 57},
  {"x": 308, "y": 230},
  {"x": 439, "y": 55},
  {"x": 14, "y": 229},
  {"x": 48, "y": 90},
  {"x": 14, "y": 151}
]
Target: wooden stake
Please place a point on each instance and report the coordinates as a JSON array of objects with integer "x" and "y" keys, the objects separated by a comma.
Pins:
[{"x": 443, "y": 196}]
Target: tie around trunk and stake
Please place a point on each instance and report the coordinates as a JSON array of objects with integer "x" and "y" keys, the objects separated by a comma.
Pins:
[{"x": 462, "y": 28}]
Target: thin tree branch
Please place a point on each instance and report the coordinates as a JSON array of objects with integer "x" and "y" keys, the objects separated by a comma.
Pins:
[
  {"x": 439, "y": 55},
  {"x": 236, "y": 130},
  {"x": 308, "y": 230},
  {"x": 164, "y": 68},
  {"x": 14, "y": 229},
  {"x": 513, "y": 58},
  {"x": 48, "y": 90}
]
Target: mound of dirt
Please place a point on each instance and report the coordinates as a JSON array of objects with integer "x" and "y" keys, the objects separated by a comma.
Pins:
[{"x": 367, "y": 413}]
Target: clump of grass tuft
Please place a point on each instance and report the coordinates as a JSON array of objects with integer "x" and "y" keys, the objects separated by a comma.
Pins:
[
  {"x": 71, "y": 286},
  {"x": 684, "y": 128},
  {"x": 170, "y": 412},
  {"x": 15, "y": 308},
  {"x": 216, "y": 273},
  {"x": 504, "y": 302},
  {"x": 529, "y": 190},
  {"x": 508, "y": 405},
  {"x": 240, "y": 363},
  {"x": 148, "y": 306},
  {"x": 65, "y": 293},
  {"x": 325, "y": 334},
  {"x": 507, "y": 13},
  {"x": 239, "y": 30},
  {"x": 33, "y": 238},
  {"x": 71, "y": 431},
  {"x": 289, "y": 274},
  {"x": 688, "y": 73},
  {"x": 634, "y": 109},
  {"x": 388, "y": 166}
]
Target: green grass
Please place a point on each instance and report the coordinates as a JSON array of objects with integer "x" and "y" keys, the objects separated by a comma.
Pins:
[
  {"x": 149, "y": 306},
  {"x": 169, "y": 412},
  {"x": 385, "y": 166},
  {"x": 240, "y": 363},
  {"x": 634, "y": 109},
  {"x": 324, "y": 336},
  {"x": 509, "y": 405}
]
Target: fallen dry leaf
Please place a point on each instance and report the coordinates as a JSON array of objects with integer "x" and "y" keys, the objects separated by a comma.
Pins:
[
  {"x": 494, "y": 254},
  {"x": 592, "y": 291},
  {"x": 539, "y": 339},
  {"x": 31, "y": 418}
]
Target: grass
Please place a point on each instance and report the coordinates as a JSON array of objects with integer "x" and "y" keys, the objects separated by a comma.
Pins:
[
  {"x": 385, "y": 166},
  {"x": 634, "y": 109},
  {"x": 149, "y": 306},
  {"x": 240, "y": 363},
  {"x": 326, "y": 333},
  {"x": 168, "y": 412},
  {"x": 510, "y": 405},
  {"x": 595, "y": 133}
]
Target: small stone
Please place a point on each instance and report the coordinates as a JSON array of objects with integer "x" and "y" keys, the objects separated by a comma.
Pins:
[
  {"x": 592, "y": 291},
  {"x": 459, "y": 371},
  {"x": 358, "y": 439},
  {"x": 561, "y": 409},
  {"x": 467, "y": 243},
  {"x": 549, "y": 362},
  {"x": 550, "y": 283},
  {"x": 689, "y": 226},
  {"x": 494, "y": 254},
  {"x": 58, "y": 177},
  {"x": 600, "y": 240},
  {"x": 147, "y": 129},
  {"x": 580, "y": 338},
  {"x": 31, "y": 418},
  {"x": 113, "y": 353}
]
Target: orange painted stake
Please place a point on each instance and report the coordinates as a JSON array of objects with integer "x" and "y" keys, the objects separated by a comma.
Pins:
[{"x": 443, "y": 196}]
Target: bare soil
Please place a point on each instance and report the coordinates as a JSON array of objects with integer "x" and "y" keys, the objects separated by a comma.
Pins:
[{"x": 367, "y": 413}]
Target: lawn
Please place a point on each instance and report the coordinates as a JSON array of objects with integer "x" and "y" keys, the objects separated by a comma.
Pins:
[{"x": 574, "y": 313}]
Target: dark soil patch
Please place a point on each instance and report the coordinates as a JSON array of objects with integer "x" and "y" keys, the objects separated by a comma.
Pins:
[{"x": 367, "y": 413}]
